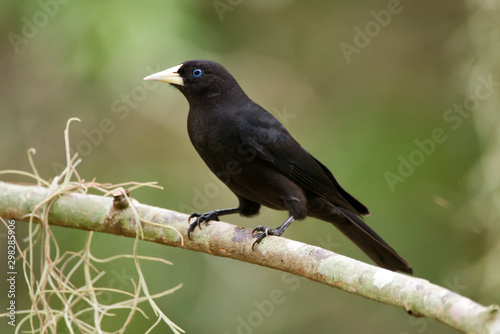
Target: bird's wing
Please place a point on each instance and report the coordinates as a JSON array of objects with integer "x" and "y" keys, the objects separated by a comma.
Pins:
[{"x": 269, "y": 139}]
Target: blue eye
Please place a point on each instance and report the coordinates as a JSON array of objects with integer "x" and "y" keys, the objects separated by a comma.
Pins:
[{"x": 197, "y": 72}]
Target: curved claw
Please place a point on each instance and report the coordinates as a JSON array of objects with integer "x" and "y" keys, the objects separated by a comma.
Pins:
[
  {"x": 200, "y": 218},
  {"x": 191, "y": 228},
  {"x": 193, "y": 214},
  {"x": 265, "y": 232},
  {"x": 259, "y": 228}
]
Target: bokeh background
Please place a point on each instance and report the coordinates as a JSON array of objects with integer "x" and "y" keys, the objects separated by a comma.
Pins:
[{"x": 359, "y": 84}]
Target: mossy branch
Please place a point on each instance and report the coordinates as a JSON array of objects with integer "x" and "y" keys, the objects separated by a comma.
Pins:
[{"x": 117, "y": 216}]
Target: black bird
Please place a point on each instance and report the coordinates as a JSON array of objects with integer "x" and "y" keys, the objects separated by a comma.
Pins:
[{"x": 255, "y": 156}]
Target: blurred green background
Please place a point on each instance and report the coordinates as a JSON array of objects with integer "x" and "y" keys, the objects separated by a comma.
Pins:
[{"x": 358, "y": 84}]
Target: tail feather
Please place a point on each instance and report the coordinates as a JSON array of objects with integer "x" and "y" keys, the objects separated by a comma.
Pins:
[{"x": 371, "y": 243}]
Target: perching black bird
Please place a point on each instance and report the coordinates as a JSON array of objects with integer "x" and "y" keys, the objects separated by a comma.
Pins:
[{"x": 255, "y": 156}]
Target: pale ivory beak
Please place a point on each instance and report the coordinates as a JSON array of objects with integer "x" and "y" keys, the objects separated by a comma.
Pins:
[{"x": 169, "y": 76}]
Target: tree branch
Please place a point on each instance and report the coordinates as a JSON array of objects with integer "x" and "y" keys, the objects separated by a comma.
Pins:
[{"x": 115, "y": 216}]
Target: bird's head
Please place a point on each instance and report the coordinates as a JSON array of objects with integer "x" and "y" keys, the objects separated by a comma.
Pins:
[{"x": 199, "y": 80}]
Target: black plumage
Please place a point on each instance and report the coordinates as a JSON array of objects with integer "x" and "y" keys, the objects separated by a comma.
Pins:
[{"x": 262, "y": 164}]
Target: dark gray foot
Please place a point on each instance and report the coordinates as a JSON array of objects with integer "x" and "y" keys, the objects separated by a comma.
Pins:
[
  {"x": 208, "y": 216},
  {"x": 201, "y": 218},
  {"x": 265, "y": 231}
]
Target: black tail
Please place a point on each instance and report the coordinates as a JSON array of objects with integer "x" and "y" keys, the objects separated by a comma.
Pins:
[{"x": 370, "y": 243}]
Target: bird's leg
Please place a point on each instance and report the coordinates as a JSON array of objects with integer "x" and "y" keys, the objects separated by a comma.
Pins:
[
  {"x": 207, "y": 216},
  {"x": 265, "y": 231}
]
